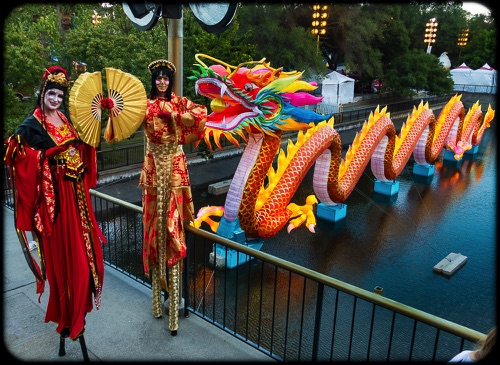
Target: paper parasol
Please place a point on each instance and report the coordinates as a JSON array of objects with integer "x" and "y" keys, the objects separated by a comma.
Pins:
[{"x": 126, "y": 105}]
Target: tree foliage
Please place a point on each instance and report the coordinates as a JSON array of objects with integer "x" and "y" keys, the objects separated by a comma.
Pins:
[
  {"x": 376, "y": 40},
  {"x": 415, "y": 70}
]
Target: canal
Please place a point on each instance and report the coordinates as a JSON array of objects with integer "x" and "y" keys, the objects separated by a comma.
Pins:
[{"x": 394, "y": 243}]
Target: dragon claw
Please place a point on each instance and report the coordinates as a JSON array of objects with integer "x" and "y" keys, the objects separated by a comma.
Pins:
[
  {"x": 205, "y": 214},
  {"x": 303, "y": 213}
]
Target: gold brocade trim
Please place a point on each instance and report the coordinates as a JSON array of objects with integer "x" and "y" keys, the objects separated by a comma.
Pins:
[
  {"x": 156, "y": 289},
  {"x": 163, "y": 155},
  {"x": 72, "y": 161},
  {"x": 89, "y": 250},
  {"x": 64, "y": 130},
  {"x": 173, "y": 295}
]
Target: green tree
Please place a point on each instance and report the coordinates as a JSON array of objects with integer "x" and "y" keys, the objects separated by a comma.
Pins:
[
  {"x": 369, "y": 38},
  {"x": 417, "y": 70},
  {"x": 481, "y": 45},
  {"x": 279, "y": 38}
]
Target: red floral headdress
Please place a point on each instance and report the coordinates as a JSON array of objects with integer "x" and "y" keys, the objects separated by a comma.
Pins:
[{"x": 57, "y": 75}]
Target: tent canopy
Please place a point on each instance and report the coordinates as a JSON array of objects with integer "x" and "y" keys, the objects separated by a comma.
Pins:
[
  {"x": 486, "y": 67},
  {"x": 337, "y": 89},
  {"x": 463, "y": 66},
  {"x": 482, "y": 80}
]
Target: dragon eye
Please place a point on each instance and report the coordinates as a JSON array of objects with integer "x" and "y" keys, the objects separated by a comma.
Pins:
[{"x": 248, "y": 87}]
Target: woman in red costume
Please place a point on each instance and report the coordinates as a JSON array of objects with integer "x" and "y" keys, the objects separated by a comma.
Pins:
[
  {"x": 51, "y": 172},
  {"x": 170, "y": 122}
]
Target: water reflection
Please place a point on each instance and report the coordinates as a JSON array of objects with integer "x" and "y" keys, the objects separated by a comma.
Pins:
[
  {"x": 394, "y": 242},
  {"x": 391, "y": 242}
]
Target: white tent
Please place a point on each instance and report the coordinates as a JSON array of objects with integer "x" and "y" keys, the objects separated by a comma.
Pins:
[
  {"x": 486, "y": 79},
  {"x": 337, "y": 89},
  {"x": 462, "y": 78},
  {"x": 482, "y": 80}
]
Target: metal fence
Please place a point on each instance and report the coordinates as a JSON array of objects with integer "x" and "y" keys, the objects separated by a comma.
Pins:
[
  {"x": 112, "y": 158},
  {"x": 349, "y": 116},
  {"x": 295, "y": 314},
  {"x": 284, "y": 310},
  {"x": 481, "y": 89}
]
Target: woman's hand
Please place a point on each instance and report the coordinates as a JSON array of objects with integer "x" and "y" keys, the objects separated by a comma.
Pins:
[{"x": 165, "y": 115}]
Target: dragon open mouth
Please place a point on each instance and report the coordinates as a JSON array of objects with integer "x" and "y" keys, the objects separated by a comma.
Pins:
[{"x": 229, "y": 108}]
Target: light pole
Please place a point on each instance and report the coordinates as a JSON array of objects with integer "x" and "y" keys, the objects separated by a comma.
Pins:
[
  {"x": 430, "y": 33},
  {"x": 319, "y": 16},
  {"x": 462, "y": 41}
]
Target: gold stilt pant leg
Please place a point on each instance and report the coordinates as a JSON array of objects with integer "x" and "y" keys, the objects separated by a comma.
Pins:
[
  {"x": 173, "y": 307},
  {"x": 156, "y": 287}
]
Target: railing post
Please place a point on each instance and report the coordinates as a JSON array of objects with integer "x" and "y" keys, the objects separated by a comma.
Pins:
[{"x": 317, "y": 321}]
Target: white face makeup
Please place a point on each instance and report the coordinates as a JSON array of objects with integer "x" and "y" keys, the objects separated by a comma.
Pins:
[
  {"x": 162, "y": 84},
  {"x": 53, "y": 99}
]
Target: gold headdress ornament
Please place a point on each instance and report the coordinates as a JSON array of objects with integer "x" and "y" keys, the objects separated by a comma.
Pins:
[
  {"x": 56, "y": 74},
  {"x": 161, "y": 63},
  {"x": 58, "y": 79}
]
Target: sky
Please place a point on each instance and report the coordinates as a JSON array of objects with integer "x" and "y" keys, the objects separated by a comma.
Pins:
[{"x": 476, "y": 8}]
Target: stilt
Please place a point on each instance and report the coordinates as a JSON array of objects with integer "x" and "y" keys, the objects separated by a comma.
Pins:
[
  {"x": 83, "y": 345},
  {"x": 62, "y": 349},
  {"x": 62, "y": 341},
  {"x": 156, "y": 291}
]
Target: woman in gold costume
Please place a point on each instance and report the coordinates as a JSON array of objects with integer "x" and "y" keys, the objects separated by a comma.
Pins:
[{"x": 170, "y": 122}]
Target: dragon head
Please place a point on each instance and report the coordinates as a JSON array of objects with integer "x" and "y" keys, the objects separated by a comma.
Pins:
[{"x": 252, "y": 100}]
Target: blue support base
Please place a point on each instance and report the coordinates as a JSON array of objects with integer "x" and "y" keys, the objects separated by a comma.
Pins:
[
  {"x": 473, "y": 150},
  {"x": 332, "y": 213},
  {"x": 423, "y": 170},
  {"x": 227, "y": 257},
  {"x": 388, "y": 188},
  {"x": 449, "y": 159},
  {"x": 449, "y": 156}
]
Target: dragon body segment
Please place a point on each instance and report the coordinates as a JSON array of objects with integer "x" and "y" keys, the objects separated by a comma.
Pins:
[{"x": 260, "y": 103}]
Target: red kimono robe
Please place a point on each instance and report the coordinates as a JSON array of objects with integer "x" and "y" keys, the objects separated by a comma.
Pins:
[{"x": 51, "y": 172}]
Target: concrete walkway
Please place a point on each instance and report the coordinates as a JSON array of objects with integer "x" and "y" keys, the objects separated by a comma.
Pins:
[{"x": 123, "y": 329}]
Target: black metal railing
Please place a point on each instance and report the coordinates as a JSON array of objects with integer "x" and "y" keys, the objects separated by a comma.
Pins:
[
  {"x": 133, "y": 154},
  {"x": 120, "y": 157},
  {"x": 295, "y": 314},
  {"x": 282, "y": 309},
  {"x": 362, "y": 114}
]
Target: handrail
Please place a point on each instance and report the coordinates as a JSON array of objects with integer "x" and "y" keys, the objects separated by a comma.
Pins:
[
  {"x": 375, "y": 298},
  {"x": 460, "y": 332}
]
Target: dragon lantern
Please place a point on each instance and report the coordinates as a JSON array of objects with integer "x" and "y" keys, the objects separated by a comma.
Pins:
[{"x": 260, "y": 103}]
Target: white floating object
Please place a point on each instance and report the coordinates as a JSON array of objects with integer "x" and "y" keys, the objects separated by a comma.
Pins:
[
  {"x": 450, "y": 264},
  {"x": 220, "y": 187}
]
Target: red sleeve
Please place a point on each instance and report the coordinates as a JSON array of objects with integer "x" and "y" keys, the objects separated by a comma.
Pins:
[
  {"x": 190, "y": 119},
  {"x": 89, "y": 157},
  {"x": 24, "y": 168}
]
